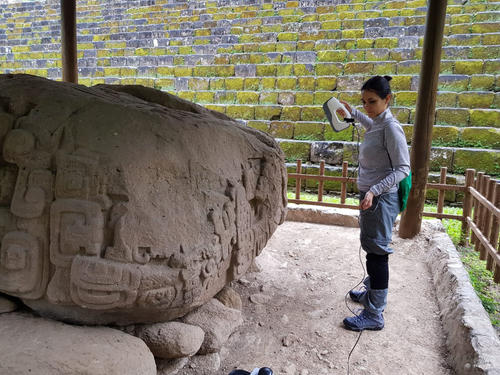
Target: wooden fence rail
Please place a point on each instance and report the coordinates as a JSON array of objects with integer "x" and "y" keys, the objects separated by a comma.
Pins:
[{"x": 480, "y": 214}]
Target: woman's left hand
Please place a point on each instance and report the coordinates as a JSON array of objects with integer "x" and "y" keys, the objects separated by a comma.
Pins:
[{"x": 367, "y": 201}]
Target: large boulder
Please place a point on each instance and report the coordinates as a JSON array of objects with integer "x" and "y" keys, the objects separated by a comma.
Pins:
[
  {"x": 124, "y": 204},
  {"x": 31, "y": 345}
]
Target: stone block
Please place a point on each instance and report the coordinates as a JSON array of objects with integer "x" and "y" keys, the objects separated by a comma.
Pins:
[
  {"x": 484, "y": 52},
  {"x": 295, "y": 150},
  {"x": 446, "y": 134},
  {"x": 197, "y": 84},
  {"x": 351, "y": 83},
  {"x": 351, "y": 153},
  {"x": 481, "y": 136},
  {"x": 291, "y": 113},
  {"x": 322, "y": 96},
  {"x": 353, "y": 33},
  {"x": 268, "y": 83},
  {"x": 453, "y": 82},
  {"x": 284, "y": 70},
  {"x": 485, "y": 117},
  {"x": 400, "y": 83},
  {"x": 492, "y": 66},
  {"x": 484, "y": 28},
  {"x": 247, "y": 97},
  {"x": 344, "y": 135},
  {"x": 217, "y": 84},
  {"x": 265, "y": 70},
  {"x": 377, "y": 54},
  {"x": 327, "y": 83},
  {"x": 312, "y": 114},
  {"x": 365, "y": 43},
  {"x": 245, "y": 70},
  {"x": 331, "y": 152},
  {"x": 268, "y": 97},
  {"x": 332, "y": 56},
  {"x": 469, "y": 67},
  {"x": 358, "y": 68},
  {"x": 268, "y": 112},
  {"x": 205, "y": 97},
  {"x": 304, "y": 98},
  {"x": 281, "y": 129},
  {"x": 386, "y": 43},
  {"x": 484, "y": 82},
  {"x": 452, "y": 116},
  {"x": 233, "y": 83},
  {"x": 228, "y": 97},
  {"x": 405, "y": 98},
  {"x": 487, "y": 161},
  {"x": 441, "y": 157},
  {"x": 408, "y": 67},
  {"x": 401, "y": 54},
  {"x": 251, "y": 84},
  {"x": 306, "y": 45},
  {"x": 309, "y": 130},
  {"x": 480, "y": 99},
  {"x": 286, "y": 83},
  {"x": 286, "y": 98},
  {"x": 464, "y": 40},
  {"x": 491, "y": 39},
  {"x": 402, "y": 114},
  {"x": 352, "y": 97},
  {"x": 329, "y": 69},
  {"x": 241, "y": 112},
  {"x": 303, "y": 69},
  {"x": 261, "y": 125},
  {"x": 384, "y": 68},
  {"x": 356, "y": 55}
]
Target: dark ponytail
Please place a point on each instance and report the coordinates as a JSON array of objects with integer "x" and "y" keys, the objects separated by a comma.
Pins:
[{"x": 379, "y": 85}]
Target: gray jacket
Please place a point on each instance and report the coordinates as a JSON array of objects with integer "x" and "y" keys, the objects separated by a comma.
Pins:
[{"x": 383, "y": 156}]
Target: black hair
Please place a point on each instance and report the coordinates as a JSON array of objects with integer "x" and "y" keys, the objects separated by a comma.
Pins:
[{"x": 379, "y": 85}]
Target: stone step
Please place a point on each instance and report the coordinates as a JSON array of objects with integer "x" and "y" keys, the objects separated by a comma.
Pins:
[{"x": 457, "y": 160}]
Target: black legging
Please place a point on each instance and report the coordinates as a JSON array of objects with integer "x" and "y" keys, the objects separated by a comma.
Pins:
[{"x": 377, "y": 267}]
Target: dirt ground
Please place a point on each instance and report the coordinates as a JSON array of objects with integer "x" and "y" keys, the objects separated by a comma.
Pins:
[{"x": 293, "y": 309}]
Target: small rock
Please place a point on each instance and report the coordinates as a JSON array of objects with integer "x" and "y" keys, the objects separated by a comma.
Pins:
[
  {"x": 171, "y": 366},
  {"x": 217, "y": 321},
  {"x": 171, "y": 339},
  {"x": 285, "y": 319},
  {"x": 289, "y": 339},
  {"x": 260, "y": 298},
  {"x": 7, "y": 305},
  {"x": 244, "y": 282},
  {"x": 209, "y": 364},
  {"x": 230, "y": 298}
]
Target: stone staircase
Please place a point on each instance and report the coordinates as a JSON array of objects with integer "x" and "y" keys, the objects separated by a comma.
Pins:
[{"x": 272, "y": 64}]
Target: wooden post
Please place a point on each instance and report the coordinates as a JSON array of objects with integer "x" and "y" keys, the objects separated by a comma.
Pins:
[
  {"x": 442, "y": 180},
  {"x": 297, "y": 180},
  {"x": 477, "y": 186},
  {"x": 343, "y": 185},
  {"x": 321, "y": 182},
  {"x": 495, "y": 228},
  {"x": 411, "y": 219},
  {"x": 68, "y": 41},
  {"x": 469, "y": 182},
  {"x": 488, "y": 220},
  {"x": 482, "y": 216}
]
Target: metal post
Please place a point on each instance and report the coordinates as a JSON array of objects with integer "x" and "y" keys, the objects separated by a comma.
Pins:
[
  {"x": 68, "y": 41},
  {"x": 424, "y": 118}
]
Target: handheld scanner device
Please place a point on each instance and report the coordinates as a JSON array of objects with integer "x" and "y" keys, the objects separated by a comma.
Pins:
[{"x": 330, "y": 107}]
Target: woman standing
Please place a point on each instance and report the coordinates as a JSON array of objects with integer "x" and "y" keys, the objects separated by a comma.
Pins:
[{"x": 383, "y": 162}]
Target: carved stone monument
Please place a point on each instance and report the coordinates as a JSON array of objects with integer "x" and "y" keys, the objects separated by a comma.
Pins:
[{"x": 124, "y": 204}]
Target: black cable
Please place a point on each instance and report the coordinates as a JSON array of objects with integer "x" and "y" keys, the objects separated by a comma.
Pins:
[{"x": 360, "y": 261}]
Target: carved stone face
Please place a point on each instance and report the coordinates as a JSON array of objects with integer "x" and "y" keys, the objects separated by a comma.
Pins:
[{"x": 125, "y": 204}]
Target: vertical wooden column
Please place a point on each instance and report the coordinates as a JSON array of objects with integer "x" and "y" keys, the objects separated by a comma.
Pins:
[
  {"x": 68, "y": 41},
  {"x": 298, "y": 180},
  {"x": 411, "y": 219},
  {"x": 469, "y": 182}
]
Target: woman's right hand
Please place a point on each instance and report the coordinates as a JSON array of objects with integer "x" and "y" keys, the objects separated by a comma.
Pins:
[{"x": 347, "y": 106}]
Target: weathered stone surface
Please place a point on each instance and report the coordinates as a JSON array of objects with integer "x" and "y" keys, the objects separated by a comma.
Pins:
[
  {"x": 171, "y": 366},
  {"x": 330, "y": 152},
  {"x": 218, "y": 322},
  {"x": 230, "y": 298},
  {"x": 46, "y": 347},
  {"x": 124, "y": 204},
  {"x": 171, "y": 339},
  {"x": 7, "y": 305},
  {"x": 205, "y": 364}
]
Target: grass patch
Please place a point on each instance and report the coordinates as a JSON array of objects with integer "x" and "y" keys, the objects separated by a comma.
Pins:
[{"x": 480, "y": 278}]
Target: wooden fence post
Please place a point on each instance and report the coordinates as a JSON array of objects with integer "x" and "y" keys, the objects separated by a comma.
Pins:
[
  {"x": 482, "y": 217},
  {"x": 477, "y": 186},
  {"x": 297, "y": 179},
  {"x": 441, "y": 193},
  {"x": 488, "y": 219},
  {"x": 343, "y": 186},
  {"x": 467, "y": 209},
  {"x": 495, "y": 228},
  {"x": 321, "y": 182}
]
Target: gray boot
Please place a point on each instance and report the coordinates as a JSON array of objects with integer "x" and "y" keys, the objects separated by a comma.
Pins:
[
  {"x": 359, "y": 295},
  {"x": 371, "y": 317}
]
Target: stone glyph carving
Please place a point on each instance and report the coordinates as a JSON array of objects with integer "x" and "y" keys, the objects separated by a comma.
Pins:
[{"x": 123, "y": 204}]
